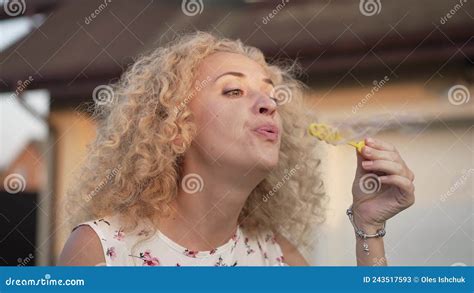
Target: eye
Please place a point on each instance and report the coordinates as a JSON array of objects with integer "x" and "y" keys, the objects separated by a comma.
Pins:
[{"x": 234, "y": 93}]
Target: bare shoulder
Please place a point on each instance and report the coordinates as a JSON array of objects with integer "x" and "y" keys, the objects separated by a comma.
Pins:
[
  {"x": 291, "y": 254},
  {"x": 83, "y": 248}
]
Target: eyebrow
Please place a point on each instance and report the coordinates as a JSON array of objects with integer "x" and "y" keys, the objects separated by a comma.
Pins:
[{"x": 240, "y": 74}]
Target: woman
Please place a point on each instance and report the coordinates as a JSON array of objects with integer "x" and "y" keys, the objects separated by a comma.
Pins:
[{"x": 198, "y": 162}]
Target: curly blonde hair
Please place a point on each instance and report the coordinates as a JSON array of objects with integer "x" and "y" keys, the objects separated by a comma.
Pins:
[{"x": 133, "y": 168}]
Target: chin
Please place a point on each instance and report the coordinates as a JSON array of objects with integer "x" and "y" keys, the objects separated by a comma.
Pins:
[{"x": 268, "y": 162}]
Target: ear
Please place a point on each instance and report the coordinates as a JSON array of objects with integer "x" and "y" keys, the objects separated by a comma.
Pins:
[
  {"x": 178, "y": 144},
  {"x": 178, "y": 141}
]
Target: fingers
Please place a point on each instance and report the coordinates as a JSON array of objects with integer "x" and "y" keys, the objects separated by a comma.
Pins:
[
  {"x": 388, "y": 167},
  {"x": 377, "y": 150},
  {"x": 404, "y": 184},
  {"x": 379, "y": 144},
  {"x": 375, "y": 154}
]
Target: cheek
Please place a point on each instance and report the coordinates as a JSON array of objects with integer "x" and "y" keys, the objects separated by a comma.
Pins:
[{"x": 218, "y": 123}]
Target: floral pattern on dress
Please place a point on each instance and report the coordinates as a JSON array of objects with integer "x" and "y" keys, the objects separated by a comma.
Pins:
[
  {"x": 259, "y": 245},
  {"x": 190, "y": 253},
  {"x": 148, "y": 258},
  {"x": 144, "y": 232},
  {"x": 196, "y": 253},
  {"x": 249, "y": 249},
  {"x": 221, "y": 263},
  {"x": 235, "y": 238},
  {"x": 271, "y": 238},
  {"x": 281, "y": 259},
  {"x": 111, "y": 252},
  {"x": 119, "y": 234},
  {"x": 240, "y": 249},
  {"x": 101, "y": 220}
]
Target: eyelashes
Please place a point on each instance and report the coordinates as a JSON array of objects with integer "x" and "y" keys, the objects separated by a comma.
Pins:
[
  {"x": 234, "y": 93},
  {"x": 238, "y": 93}
]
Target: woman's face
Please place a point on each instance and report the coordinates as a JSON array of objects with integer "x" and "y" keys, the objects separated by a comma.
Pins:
[{"x": 237, "y": 119}]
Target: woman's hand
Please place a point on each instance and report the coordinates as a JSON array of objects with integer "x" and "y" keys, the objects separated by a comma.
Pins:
[{"x": 383, "y": 185}]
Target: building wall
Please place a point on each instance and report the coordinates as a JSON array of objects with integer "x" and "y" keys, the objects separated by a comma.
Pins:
[
  {"x": 29, "y": 165},
  {"x": 73, "y": 131}
]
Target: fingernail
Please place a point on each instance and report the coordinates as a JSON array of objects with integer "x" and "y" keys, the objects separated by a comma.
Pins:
[
  {"x": 367, "y": 150},
  {"x": 370, "y": 140}
]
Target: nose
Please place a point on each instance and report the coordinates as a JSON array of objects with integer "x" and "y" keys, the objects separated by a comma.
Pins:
[{"x": 265, "y": 105}]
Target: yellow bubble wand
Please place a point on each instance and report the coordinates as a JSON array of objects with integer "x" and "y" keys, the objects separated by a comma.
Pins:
[{"x": 332, "y": 136}]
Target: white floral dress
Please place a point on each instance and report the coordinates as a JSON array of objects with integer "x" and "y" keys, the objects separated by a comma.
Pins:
[{"x": 140, "y": 248}]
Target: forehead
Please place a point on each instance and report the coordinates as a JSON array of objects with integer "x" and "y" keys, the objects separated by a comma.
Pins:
[{"x": 221, "y": 62}]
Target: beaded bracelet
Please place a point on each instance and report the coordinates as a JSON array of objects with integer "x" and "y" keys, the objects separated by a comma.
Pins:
[{"x": 380, "y": 233}]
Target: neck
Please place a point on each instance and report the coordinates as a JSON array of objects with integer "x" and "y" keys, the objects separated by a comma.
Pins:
[{"x": 208, "y": 218}]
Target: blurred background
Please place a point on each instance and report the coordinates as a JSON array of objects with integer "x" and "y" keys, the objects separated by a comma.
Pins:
[{"x": 404, "y": 66}]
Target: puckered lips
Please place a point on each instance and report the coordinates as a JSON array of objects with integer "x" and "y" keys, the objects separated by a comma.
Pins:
[{"x": 268, "y": 131}]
